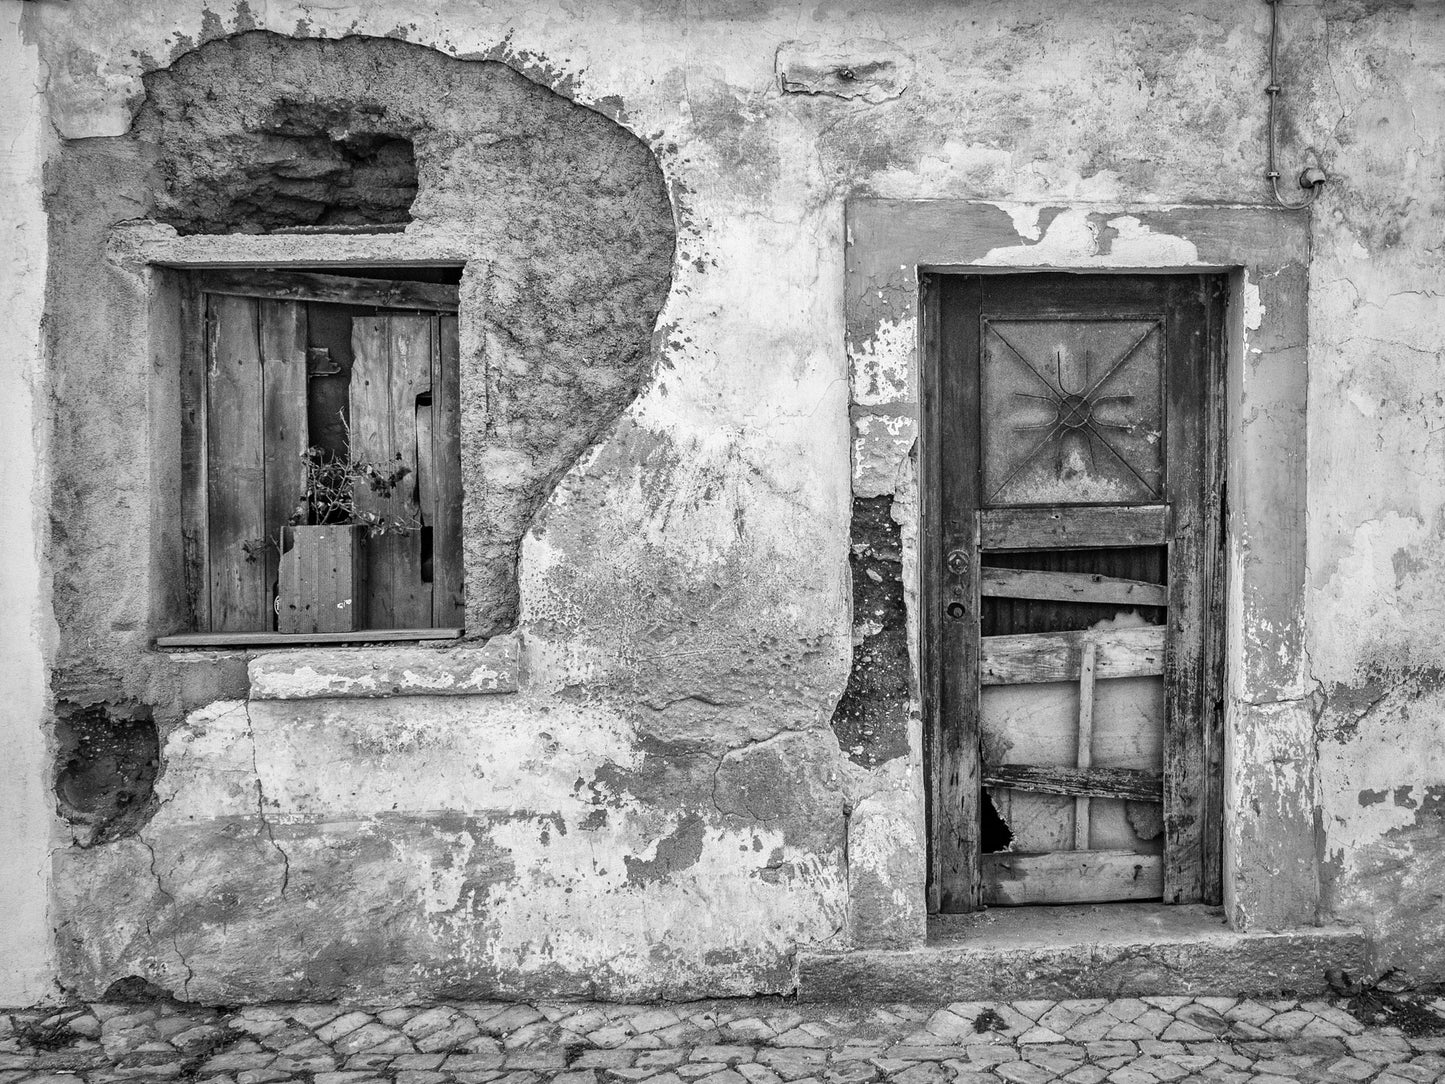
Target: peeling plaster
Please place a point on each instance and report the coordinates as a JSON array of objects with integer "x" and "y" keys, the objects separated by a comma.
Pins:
[
  {"x": 883, "y": 367},
  {"x": 1080, "y": 236}
]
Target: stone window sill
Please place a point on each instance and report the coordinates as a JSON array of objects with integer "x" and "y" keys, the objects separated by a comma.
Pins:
[
  {"x": 386, "y": 671},
  {"x": 305, "y": 671}
]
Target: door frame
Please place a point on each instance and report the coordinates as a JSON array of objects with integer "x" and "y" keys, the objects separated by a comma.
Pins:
[
  {"x": 1270, "y": 874},
  {"x": 950, "y": 361}
]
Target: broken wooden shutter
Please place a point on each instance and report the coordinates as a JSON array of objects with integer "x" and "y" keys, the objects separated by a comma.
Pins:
[{"x": 245, "y": 430}]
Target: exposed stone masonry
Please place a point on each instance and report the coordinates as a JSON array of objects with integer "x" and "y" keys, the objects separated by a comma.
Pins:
[{"x": 1153, "y": 1040}]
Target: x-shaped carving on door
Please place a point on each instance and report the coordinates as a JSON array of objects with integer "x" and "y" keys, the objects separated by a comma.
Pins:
[{"x": 1098, "y": 431}]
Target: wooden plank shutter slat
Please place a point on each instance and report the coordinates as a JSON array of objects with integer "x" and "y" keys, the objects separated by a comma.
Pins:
[
  {"x": 235, "y": 469},
  {"x": 1029, "y": 658},
  {"x": 371, "y": 441},
  {"x": 284, "y": 432},
  {"x": 411, "y": 365},
  {"x": 1129, "y": 784},
  {"x": 1078, "y": 876},
  {"x": 1070, "y": 587},
  {"x": 1082, "y": 525},
  {"x": 391, "y": 367},
  {"x": 195, "y": 544},
  {"x": 331, "y": 289},
  {"x": 448, "y": 599}
]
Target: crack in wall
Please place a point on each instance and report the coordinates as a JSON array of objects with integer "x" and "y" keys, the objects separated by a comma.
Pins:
[{"x": 261, "y": 808}]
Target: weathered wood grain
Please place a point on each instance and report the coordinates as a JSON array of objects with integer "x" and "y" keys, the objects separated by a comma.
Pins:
[
  {"x": 391, "y": 366},
  {"x": 1192, "y": 386},
  {"x": 283, "y": 423},
  {"x": 448, "y": 592},
  {"x": 276, "y": 639},
  {"x": 411, "y": 342},
  {"x": 332, "y": 289},
  {"x": 1080, "y": 525},
  {"x": 1070, "y": 587},
  {"x": 1057, "y": 656},
  {"x": 194, "y": 502},
  {"x": 1087, "y": 660},
  {"x": 950, "y": 499},
  {"x": 1078, "y": 876},
  {"x": 1128, "y": 784},
  {"x": 1215, "y": 620},
  {"x": 322, "y": 584},
  {"x": 235, "y": 476}
]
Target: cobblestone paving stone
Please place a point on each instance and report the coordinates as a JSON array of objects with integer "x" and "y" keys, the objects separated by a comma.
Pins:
[{"x": 1152, "y": 1040}]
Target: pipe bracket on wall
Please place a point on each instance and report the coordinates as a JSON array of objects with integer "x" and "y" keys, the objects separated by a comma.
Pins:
[{"x": 1312, "y": 179}]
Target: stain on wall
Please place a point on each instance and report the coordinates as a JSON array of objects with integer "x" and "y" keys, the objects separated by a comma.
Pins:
[
  {"x": 107, "y": 758},
  {"x": 871, "y": 719}
]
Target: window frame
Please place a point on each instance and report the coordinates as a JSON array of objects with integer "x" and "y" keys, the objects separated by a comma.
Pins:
[{"x": 325, "y": 282}]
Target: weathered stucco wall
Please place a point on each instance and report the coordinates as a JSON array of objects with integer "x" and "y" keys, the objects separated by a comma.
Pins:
[
  {"x": 1376, "y": 639},
  {"x": 26, "y": 966},
  {"x": 663, "y": 806}
]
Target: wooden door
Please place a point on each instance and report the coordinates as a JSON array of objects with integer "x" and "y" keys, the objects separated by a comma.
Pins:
[{"x": 1071, "y": 551}]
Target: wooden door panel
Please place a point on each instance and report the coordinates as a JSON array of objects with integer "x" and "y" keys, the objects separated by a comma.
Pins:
[
  {"x": 1036, "y": 724},
  {"x": 1079, "y": 876},
  {"x": 1072, "y": 410}
]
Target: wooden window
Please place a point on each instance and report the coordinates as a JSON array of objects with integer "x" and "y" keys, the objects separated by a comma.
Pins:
[{"x": 289, "y": 369}]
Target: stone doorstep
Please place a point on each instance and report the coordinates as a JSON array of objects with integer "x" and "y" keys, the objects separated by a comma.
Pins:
[{"x": 1107, "y": 950}]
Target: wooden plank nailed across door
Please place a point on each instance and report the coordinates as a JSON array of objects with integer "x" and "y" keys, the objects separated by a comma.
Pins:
[
  {"x": 1079, "y": 876},
  {"x": 1077, "y": 525},
  {"x": 284, "y": 432},
  {"x": 331, "y": 289},
  {"x": 1129, "y": 784},
  {"x": 235, "y": 468},
  {"x": 1057, "y": 656},
  {"x": 1070, "y": 587}
]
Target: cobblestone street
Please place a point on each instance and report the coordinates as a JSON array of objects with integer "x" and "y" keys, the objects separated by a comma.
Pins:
[{"x": 772, "y": 1041}]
